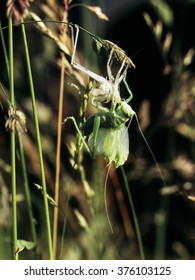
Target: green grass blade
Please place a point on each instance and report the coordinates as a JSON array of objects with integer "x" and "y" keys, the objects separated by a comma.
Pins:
[
  {"x": 13, "y": 150},
  {"x": 28, "y": 195},
  {"x": 39, "y": 144},
  {"x": 137, "y": 229}
]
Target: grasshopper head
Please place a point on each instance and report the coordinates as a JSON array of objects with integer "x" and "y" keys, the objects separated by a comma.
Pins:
[{"x": 125, "y": 111}]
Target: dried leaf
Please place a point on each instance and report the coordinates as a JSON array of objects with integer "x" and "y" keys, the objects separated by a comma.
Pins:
[
  {"x": 104, "y": 47},
  {"x": 192, "y": 198},
  {"x": 88, "y": 190},
  {"x": 184, "y": 166},
  {"x": 82, "y": 221},
  {"x": 169, "y": 190},
  {"x": 186, "y": 130},
  {"x": 189, "y": 57},
  {"x": 16, "y": 120},
  {"x": 45, "y": 30},
  {"x": 17, "y": 9},
  {"x": 98, "y": 11},
  {"x": 167, "y": 42},
  {"x": 148, "y": 20},
  {"x": 144, "y": 114},
  {"x": 158, "y": 29}
]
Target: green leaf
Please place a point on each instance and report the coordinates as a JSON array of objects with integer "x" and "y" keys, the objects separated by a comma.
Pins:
[
  {"x": 23, "y": 244},
  {"x": 50, "y": 199}
]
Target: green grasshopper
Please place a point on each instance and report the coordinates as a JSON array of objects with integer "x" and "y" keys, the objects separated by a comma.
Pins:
[
  {"x": 108, "y": 133},
  {"x": 107, "y": 130},
  {"x": 108, "y": 124}
]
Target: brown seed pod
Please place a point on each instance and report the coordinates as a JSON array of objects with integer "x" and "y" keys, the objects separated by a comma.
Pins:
[{"x": 16, "y": 120}]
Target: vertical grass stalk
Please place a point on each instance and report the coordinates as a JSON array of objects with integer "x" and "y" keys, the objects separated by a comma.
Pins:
[
  {"x": 58, "y": 154},
  {"x": 13, "y": 150},
  {"x": 135, "y": 220},
  {"x": 33, "y": 99},
  {"x": 28, "y": 196}
]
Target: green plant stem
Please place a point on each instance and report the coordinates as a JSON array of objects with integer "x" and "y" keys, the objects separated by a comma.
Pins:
[
  {"x": 48, "y": 227},
  {"x": 28, "y": 195},
  {"x": 13, "y": 150},
  {"x": 58, "y": 153},
  {"x": 137, "y": 229}
]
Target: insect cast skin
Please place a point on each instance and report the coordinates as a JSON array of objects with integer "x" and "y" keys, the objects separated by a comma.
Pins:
[
  {"x": 104, "y": 89},
  {"x": 104, "y": 47}
]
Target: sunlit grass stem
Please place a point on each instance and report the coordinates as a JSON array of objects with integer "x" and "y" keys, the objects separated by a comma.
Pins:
[
  {"x": 22, "y": 157},
  {"x": 33, "y": 99},
  {"x": 58, "y": 154},
  {"x": 13, "y": 149}
]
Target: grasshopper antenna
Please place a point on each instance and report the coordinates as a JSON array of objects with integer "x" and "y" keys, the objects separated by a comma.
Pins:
[{"x": 150, "y": 150}]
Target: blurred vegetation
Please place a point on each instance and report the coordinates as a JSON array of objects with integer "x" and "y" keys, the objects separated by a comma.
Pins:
[{"x": 158, "y": 36}]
